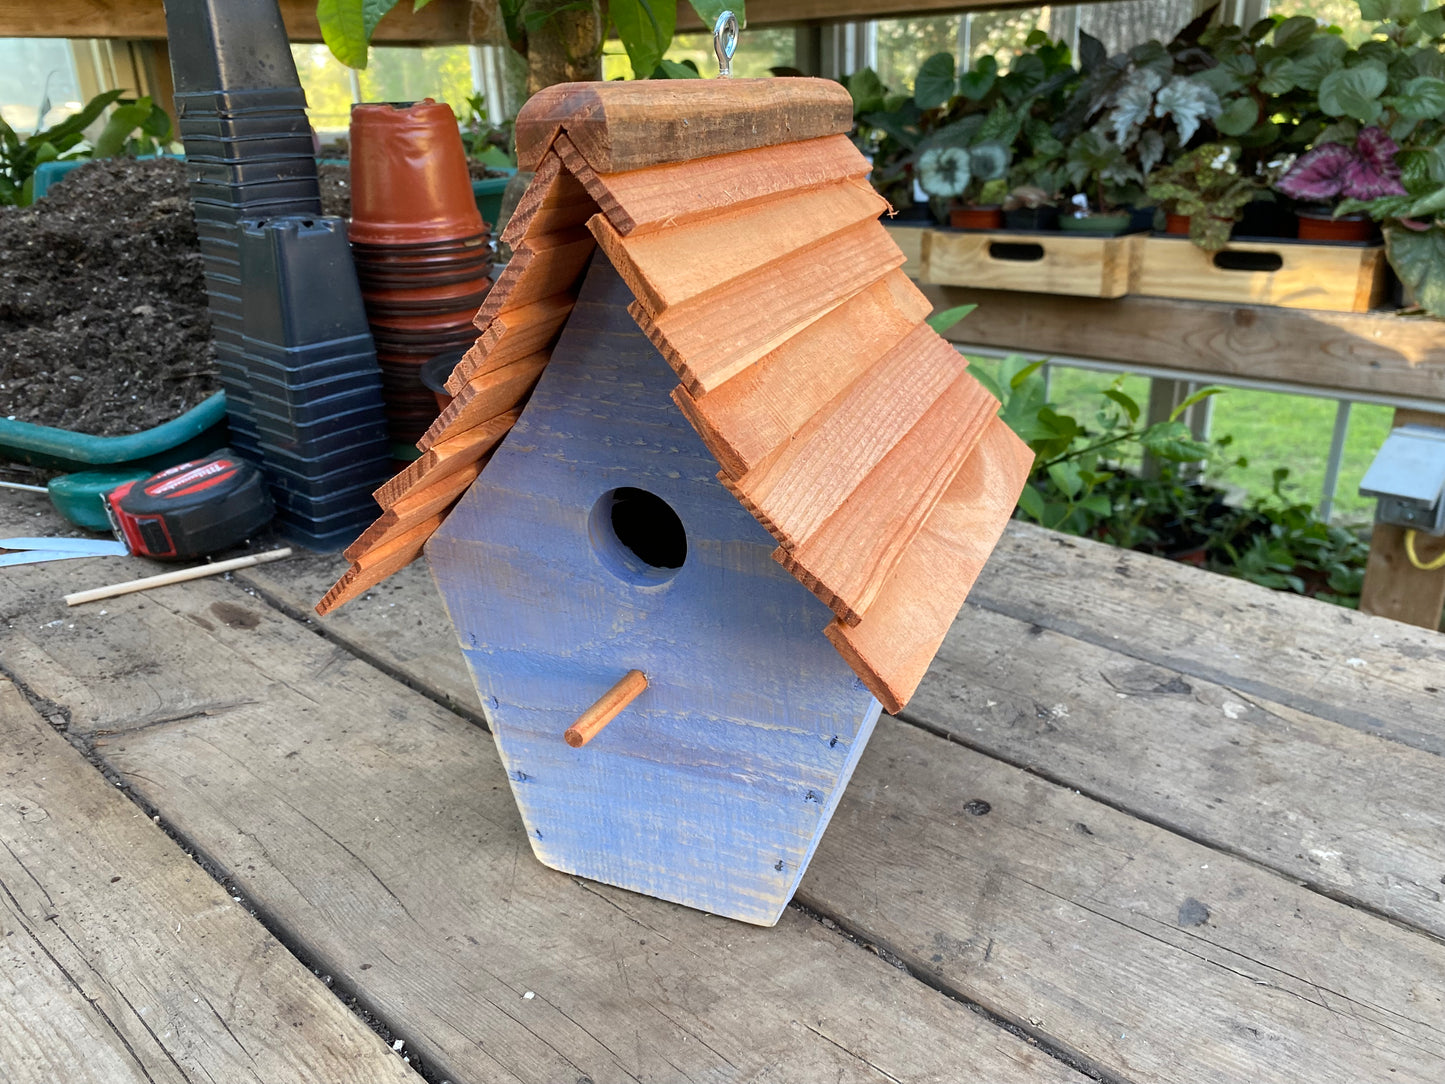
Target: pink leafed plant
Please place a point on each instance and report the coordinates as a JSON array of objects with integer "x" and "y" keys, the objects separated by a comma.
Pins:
[{"x": 1365, "y": 171}]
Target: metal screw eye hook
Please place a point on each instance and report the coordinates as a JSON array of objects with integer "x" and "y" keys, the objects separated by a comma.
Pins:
[{"x": 725, "y": 43}]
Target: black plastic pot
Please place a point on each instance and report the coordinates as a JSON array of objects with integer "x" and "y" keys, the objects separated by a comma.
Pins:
[
  {"x": 1034, "y": 219},
  {"x": 219, "y": 45}
]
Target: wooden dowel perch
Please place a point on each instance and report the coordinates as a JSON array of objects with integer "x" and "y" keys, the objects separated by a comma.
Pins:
[
  {"x": 178, "y": 576},
  {"x": 591, "y": 721}
]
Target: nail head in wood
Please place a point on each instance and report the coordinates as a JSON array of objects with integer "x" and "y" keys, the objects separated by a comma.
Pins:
[{"x": 591, "y": 721}]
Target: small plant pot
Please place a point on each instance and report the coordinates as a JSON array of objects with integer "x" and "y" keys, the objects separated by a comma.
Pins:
[
  {"x": 1109, "y": 225},
  {"x": 976, "y": 218},
  {"x": 1176, "y": 225},
  {"x": 1032, "y": 219},
  {"x": 409, "y": 177},
  {"x": 1323, "y": 226},
  {"x": 434, "y": 375},
  {"x": 1267, "y": 218}
]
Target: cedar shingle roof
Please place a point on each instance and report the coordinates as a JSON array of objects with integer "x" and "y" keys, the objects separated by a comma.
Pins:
[{"x": 848, "y": 428}]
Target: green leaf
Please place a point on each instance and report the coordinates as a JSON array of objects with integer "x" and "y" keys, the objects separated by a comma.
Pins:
[
  {"x": 1031, "y": 503},
  {"x": 1238, "y": 117},
  {"x": 671, "y": 69},
  {"x": 709, "y": 10},
  {"x": 1173, "y": 441},
  {"x": 942, "y": 321},
  {"x": 1066, "y": 476},
  {"x": 936, "y": 81},
  {"x": 1428, "y": 206},
  {"x": 986, "y": 380},
  {"x": 78, "y": 122},
  {"x": 346, "y": 27},
  {"x": 1198, "y": 397},
  {"x": 1291, "y": 35},
  {"x": 976, "y": 84},
  {"x": 1129, "y": 406},
  {"x": 645, "y": 27},
  {"x": 867, "y": 91},
  {"x": 1422, "y": 98},
  {"x": 1017, "y": 380},
  {"x": 1432, "y": 22},
  {"x": 1278, "y": 77},
  {"x": 1354, "y": 92},
  {"x": 124, "y": 120},
  {"x": 1098, "y": 504}
]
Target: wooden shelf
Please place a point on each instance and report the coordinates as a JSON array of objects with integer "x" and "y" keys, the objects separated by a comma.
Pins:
[{"x": 1371, "y": 352}]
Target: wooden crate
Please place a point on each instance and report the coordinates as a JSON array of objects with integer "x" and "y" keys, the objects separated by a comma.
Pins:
[
  {"x": 1043, "y": 263},
  {"x": 909, "y": 238},
  {"x": 1290, "y": 274}
]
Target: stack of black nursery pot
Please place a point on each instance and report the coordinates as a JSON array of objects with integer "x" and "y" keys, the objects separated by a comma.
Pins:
[{"x": 292, "y": 343}]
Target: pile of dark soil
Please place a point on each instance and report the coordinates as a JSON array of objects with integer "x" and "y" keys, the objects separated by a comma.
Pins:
[
  {"x": 103, "y": 325},
  {"x": 335, "y": 189},
  {"x": 103, "y": 322}
]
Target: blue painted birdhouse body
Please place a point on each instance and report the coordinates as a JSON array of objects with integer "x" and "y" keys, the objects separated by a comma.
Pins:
[{"x": 713, "y": 787}]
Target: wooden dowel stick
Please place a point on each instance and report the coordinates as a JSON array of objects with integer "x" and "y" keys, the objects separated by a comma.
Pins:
[
  {"x": 180, "y": 575},
  {"x": 605, "y": 710}
]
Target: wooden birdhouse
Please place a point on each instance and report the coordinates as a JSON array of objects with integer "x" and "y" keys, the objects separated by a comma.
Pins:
[{"x": 735, "y": 489}]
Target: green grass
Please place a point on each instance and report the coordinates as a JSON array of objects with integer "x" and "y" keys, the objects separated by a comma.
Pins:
[{"x": 1270, "y": 429}]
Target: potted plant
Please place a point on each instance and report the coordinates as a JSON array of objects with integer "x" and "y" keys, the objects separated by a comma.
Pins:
[
  {"x": 970, "y": 181},
  {"x": 1204, "y": 193},
  {"x": 1383, "y": 154},
  {"x": 1362, "y": 170}
]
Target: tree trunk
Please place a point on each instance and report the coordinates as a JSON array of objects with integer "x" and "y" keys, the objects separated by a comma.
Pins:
[{"x": 566, "y": 47}]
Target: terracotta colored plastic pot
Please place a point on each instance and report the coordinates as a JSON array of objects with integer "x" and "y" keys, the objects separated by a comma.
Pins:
[
  {"x": 409, "y": 178},
  {"x": 1176, "y": 224},
  {"x": 459, "y": 292},
  {"x": 1321, "y": 226},
  {"x": 976, "y": 218}
]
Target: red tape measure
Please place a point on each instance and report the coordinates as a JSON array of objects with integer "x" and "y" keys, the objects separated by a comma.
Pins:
[{"x": 191, "y": 509}]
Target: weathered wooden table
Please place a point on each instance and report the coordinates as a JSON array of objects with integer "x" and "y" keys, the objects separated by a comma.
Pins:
[{"x": 1141, "y": 823}]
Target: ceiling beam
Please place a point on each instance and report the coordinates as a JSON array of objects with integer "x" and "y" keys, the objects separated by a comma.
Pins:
[{"x": 441, "y": 21}]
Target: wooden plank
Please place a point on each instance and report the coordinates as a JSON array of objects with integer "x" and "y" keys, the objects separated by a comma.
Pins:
[
  {"x": 445, "y": 457},
  {"x": 441, "y": 22},
  {"x": 620, "y": 126},
  {"x": 795, "y": 489},
  {"x": 373, "y": 826},
  {"x": 1081, "y": 936},
  {"x": 691, "y": 263},
  {"x": 540, "y": 268},
  {"x": 1049, "y": 263},
  {"x": 554, "y": 200},
  {"x": 707, "y": 346},
  {"x": 1376, "y": 353},
  {"x": 486, "y": 396},
  {"x": 767, "y": 403},
  {"x": 421, "y": 503},
  {"x": 385, "y": 556},
  {"x": 511, "y": 336},
  {"x": 1394, "y": 587},
  {"x": 1381, "y": 677},
  {"x": 1347, "y": 814},
  {"x": 122, "y": 961},
  {"x": 1147, "y": 956},
  {"x": 848, "y": 559},
  {"x": 1341, "y": 278},
  {"x": 681, "y": 192},
  {"x": 894, "y": 644}
]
